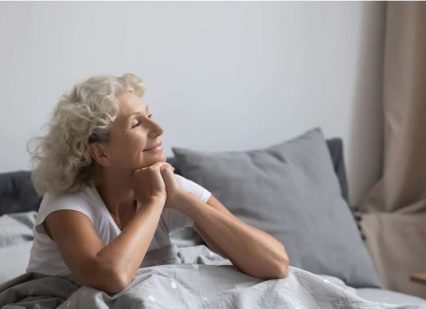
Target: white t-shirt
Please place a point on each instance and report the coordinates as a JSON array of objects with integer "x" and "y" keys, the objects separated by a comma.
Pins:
[{"x": 45, "y": 257}]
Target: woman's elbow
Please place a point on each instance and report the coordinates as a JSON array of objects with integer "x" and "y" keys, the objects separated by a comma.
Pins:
[
  {"x": 116, "y": 282},
  {"x": 277, "y": 270},
  {"x": 106, "y": 279},
  {"x": 282, "y": 268},
  {"x": 283, "y": 272}
]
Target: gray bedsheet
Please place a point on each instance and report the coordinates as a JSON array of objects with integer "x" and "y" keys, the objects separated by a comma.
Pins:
[
  {"x": 381, "y": 295},
  {"x": 191, "y": 277}
]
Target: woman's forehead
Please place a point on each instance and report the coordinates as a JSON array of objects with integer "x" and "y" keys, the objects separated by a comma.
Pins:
[{"x": 129, "y": 104}]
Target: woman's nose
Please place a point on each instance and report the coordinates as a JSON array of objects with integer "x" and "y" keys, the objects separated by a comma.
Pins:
[{"x": 155, "y": 129}]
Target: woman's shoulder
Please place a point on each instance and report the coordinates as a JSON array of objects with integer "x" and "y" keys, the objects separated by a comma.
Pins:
[
  {"x": 58, "y": 196},
  {"x": 84, "y": 197},
  {"x": 84, "y": 201}
]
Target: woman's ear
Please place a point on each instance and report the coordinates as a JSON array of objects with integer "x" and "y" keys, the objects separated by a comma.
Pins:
[{"x": 99, "y": 153}]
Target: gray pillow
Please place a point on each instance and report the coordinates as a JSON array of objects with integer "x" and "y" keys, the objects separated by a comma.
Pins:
[
  {"x": 16, "y": 228},
  {"x": 289, "y": 190}
]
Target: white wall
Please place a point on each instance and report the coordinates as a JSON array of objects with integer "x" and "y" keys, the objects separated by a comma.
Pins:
[{"x": 219, "y": 76}]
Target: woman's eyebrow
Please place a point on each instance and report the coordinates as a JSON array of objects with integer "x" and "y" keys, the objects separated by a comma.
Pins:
[{"x": 137, "y": 113}]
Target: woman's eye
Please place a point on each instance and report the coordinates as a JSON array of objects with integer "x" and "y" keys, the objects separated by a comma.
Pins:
[{"x": 136, "y": 124}]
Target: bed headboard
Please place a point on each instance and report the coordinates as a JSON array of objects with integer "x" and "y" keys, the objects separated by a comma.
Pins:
[{"x": 17, "y": 193}]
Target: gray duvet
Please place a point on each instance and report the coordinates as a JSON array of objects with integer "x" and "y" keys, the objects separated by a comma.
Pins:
[{"x": 188, "y": 277}]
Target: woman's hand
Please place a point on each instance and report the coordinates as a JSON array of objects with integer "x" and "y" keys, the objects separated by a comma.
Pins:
[
  {"x": 148, "y": 183},
  {"x": 173, "y": 187}
]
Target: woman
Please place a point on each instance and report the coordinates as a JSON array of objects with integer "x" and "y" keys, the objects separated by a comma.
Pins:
[{"x": 107, "y": 185}]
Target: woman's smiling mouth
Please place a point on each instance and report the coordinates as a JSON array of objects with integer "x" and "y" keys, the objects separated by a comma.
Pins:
[{"x": 156, "y": 148}]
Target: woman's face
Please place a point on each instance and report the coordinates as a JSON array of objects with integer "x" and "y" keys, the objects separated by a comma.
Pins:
[{"x": 134, "y": 134}]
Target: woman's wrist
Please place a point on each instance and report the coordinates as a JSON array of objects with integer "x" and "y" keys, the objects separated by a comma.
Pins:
[{"x": 157, "y": 201}]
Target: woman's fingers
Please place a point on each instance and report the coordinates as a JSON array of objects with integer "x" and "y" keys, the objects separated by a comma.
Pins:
[
  {"x": 158, "y": 166},
  {"x": 167, "y": 167},
  {"x": 173, "y": 187},
  {"x": 149, "y": 181},
  {"x": 168, "y": 175}
]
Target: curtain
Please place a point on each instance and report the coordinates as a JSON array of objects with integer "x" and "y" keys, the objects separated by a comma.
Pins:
[{"x": 394, "y": 212}]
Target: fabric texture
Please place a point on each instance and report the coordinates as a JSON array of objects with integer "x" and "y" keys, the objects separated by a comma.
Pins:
[
  {"x": 45, "y": 257},
  {"x": 197, "y": 279},
  {"x": 17, "y": 193},
  {"x": 290, "y": 191},
  {"x": 335, "y": 148},
  {"x": 390, "y": 297},
  {"x": 14, "y": 260},
  {"x": 189, "y": 237},
  {"x": 16, "y": 236},
  {"x": 397, "y": 245},
  {"x": 16, "y": 228},
  {"x": 33, "y": 290},
  {"x": 394, "y": 212}
]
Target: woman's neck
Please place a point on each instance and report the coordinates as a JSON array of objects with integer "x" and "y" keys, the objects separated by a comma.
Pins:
[{"x": 114, "y": 189}]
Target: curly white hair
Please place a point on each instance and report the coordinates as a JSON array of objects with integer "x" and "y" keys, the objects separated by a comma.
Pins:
[{"x": 61, "y": 161}]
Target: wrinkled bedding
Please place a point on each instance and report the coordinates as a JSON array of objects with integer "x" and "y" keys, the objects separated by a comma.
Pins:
[{"x": 189, "y": 277}]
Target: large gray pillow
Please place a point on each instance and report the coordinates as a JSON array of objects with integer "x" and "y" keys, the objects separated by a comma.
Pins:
[{"x": 289, "y": 190}]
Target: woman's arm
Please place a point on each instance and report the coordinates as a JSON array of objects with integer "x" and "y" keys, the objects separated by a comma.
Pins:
[
  {"x": 251, "y": 250},
  {"x": 111, "y": 267},
  {"x": 105, "y": 267}
]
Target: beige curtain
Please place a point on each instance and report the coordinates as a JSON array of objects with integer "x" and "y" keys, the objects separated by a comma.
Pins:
[{"x": 394, "y": 212}]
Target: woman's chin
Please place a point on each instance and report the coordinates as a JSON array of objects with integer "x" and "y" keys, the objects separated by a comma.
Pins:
[
  {"x": 154, "y": 159},
  {"x": 161, "y": 157}
]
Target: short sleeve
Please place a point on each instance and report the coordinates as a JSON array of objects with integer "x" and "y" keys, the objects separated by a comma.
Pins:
[
  {"x": 176, "y": 220},
  {"x": 53, "y": 202}
]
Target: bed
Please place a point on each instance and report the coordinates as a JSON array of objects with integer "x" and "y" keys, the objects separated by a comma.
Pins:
[{"x": 302, "y": 189}]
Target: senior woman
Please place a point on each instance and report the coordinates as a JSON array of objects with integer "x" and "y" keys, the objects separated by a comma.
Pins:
[{"x": 106, "y": 187}]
